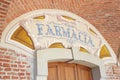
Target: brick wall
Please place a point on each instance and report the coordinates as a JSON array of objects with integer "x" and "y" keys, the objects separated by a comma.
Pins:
[
  {"x": 103, "y": 14},
  {"x": 19, "y": 66},
  {"x": 113, "y": 72},
  {"x": 4, "y": 4},
  {"x": 14, "y": 66}
]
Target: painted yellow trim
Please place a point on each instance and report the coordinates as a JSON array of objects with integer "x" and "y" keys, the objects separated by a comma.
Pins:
[
  {"x": 21, "y": 36},
  {"x": 92, "y": 31},
  {"x": 83, "y": 50},
  {"x": 104, "y": 52},
  {"x": 69, "y": 18},
  {"x": 56, "y": 45},
  {"x": 40, "y": 17}
]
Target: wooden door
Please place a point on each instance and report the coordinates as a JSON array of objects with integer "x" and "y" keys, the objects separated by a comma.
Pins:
[
  {"x": 68, "y": 71},
  {"x": 84, "y": 73},
  {"x": 53, "y": 71}
]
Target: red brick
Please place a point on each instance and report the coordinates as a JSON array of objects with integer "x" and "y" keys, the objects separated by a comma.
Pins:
[
  {"x": 2, "y": 12},
  {"x": 14, "y": 65},
  {"x": 6, "y": 64},
  {"x": 22, "y": 77},
  {"x": 6, "y": 77},
  {"x": 5, "y": 6},
  {"x": 28, "y": 74},
  {"x": 1, "y": 69},
  {"x": 2, "y": 73},
  {"x": 1, "y": 56},
  {"x": 12, "y": 73},
  {"x": 5, "y": 2},
  {"x": 4, "y": 60},
  {"x": 116, "y": 69},
  {"x": 14, "y": 77},
  {"x": 24, "y": 62},
  {"x": 0, "y": 64},
  {"x": 2, "y": 52},
  {"x": 21, "y": 74},
  {"x": 7, "y": 69},
  {"x": 3, "y": 49},
  {"x": 23, "y": 70},
  {"x": 2, "y": 19},
  {"x": 12, "y": 51},
  {"x": 7, "y": 57},
  {"x": 103, "y": 14},
  {"x": 3, "y": 9},
  {"x": 15, "y": 69},
  {"x": 21, "y": 66},
  {"x": 18, "y": 62}
]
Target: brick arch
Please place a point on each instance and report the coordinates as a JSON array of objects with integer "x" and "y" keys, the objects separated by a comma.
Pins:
[
  {"x": 103, "y": 14},
  {"x": 20, "y": 21},
  {"x": 9, "y": 11}
]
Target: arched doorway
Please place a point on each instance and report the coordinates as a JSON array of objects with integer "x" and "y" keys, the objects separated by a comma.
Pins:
[
  {"x": 68, "y": 71},
  {"x": 77, "y": 40},
  {"x": 44, "y": 57}
]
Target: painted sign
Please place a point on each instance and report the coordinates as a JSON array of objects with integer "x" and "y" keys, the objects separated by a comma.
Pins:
[
  {"x": 64, "y": 31},
  {"x": 43, "y": 29},
  {"x": 70, "y": 33}
]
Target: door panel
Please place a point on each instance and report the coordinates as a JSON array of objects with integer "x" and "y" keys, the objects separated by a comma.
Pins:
[
  {"x": 68, "y": 71},
  {"x": 84, "y": 73},
  {"x": 53, "y": 72}
]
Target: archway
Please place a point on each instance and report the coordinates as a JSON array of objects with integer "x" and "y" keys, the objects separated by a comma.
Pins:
[
  {"x": 42, "y": 28},
  {"x": 70, "y": 56}
]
